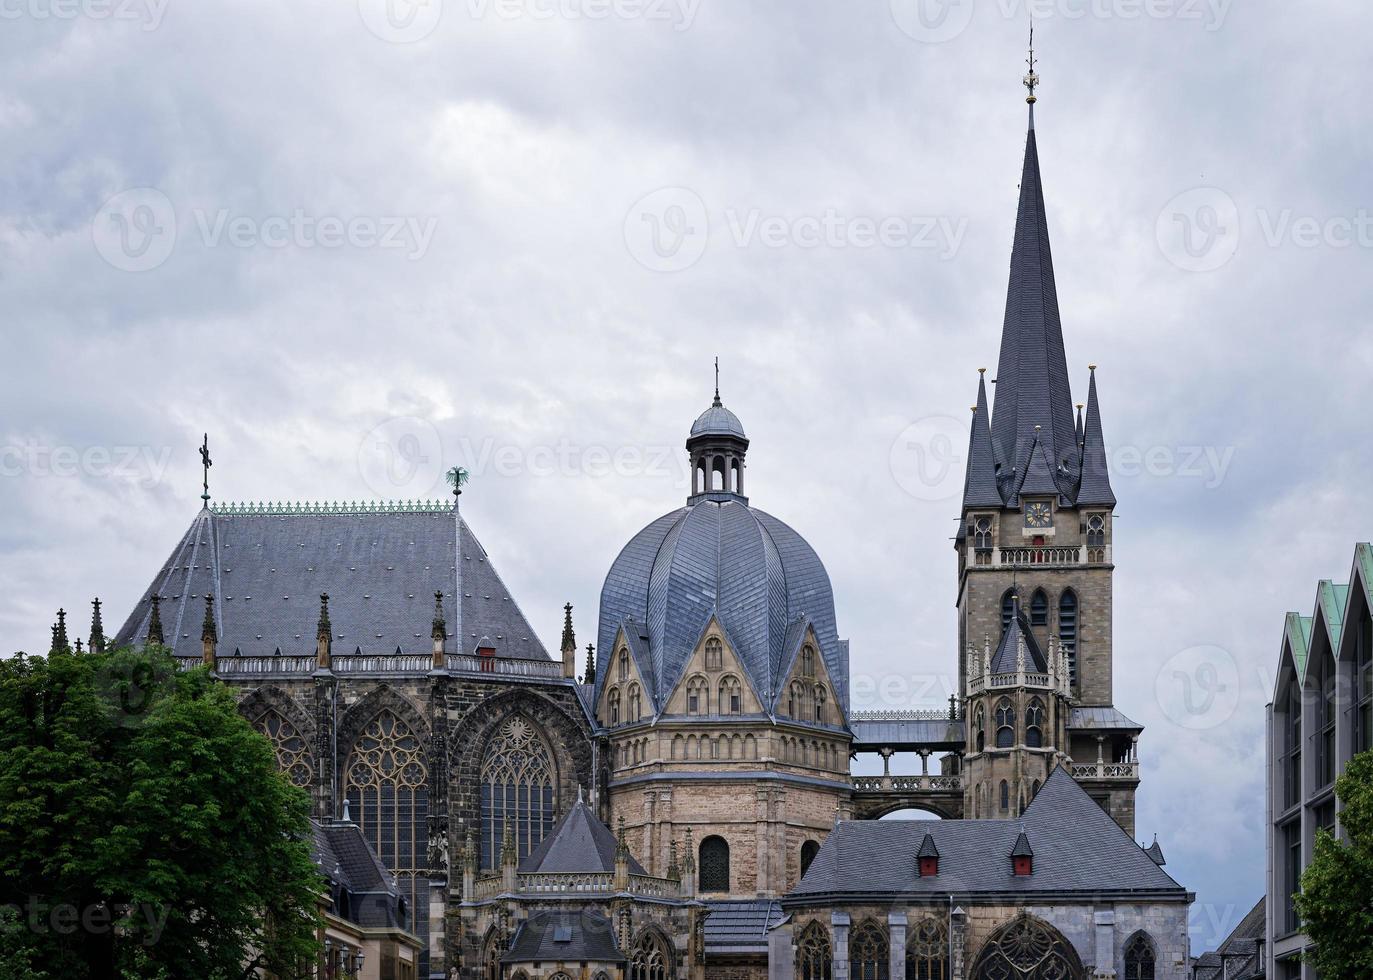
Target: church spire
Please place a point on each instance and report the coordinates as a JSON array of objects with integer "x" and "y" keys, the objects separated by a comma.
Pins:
[
  {"x": 97, "y": 641},
  {"x": 979, "y": 484},
  {"x": 1096, "y": 481},
  {"x": 1032, "y": 372}
]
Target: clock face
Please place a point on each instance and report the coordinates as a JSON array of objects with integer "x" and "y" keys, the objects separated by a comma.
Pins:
[{"x": 1037, "y": 515}]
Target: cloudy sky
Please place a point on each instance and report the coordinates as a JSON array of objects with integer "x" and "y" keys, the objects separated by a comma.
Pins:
[{"x": 358, "y": 244}]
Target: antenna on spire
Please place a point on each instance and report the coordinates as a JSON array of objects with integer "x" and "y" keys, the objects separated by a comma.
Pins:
[
  {"x": 1032, "y": 77},
  {"x": 717, "y": 380}
]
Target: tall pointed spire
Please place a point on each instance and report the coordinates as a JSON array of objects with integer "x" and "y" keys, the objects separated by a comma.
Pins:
[
  {"x": 97, "y": 641},
  {"x": 979, "y": 484},
  {"x": 1032, "y": 372},
  {"x": 1096, "y": 481},
  {"x": 590, "y": 676},
  {"x": 63, "y": 643}
]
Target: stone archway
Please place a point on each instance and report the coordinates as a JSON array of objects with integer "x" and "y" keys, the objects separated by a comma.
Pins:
[{"x": 1027, "y": 948}]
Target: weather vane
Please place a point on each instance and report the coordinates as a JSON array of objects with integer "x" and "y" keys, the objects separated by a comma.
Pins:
[
  {"x": 457, "y": 479},
  {"x": 1032, "y": 79},
  {"x": 717, "y": 380},
  {"x": 205, "y": 464}
]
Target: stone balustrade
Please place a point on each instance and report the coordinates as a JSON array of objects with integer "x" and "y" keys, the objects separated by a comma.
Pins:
[{"x": 1105, "y": 770}]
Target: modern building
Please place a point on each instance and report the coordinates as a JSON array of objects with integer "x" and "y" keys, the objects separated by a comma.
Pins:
[{"x": 1321, "y": 715}]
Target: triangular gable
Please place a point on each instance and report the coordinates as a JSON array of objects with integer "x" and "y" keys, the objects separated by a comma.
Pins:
[
  {"x": 1296, "y": 637},
  {"x": 675, "y": 702},
  {"x": 1326, "y": 624},
  {"x": 578, "y": 843},
  {"x": 1359, "y": 594},
  {"x": 627, "y": 639},
  {"x": 799, "y": 635}
]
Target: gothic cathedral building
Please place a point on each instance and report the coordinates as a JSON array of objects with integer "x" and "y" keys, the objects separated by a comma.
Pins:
[{"x": 684, "y": 808}]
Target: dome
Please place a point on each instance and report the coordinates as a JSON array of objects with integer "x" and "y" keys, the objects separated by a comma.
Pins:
[
  {"x": 718, "y": 556},
  {"x": 718, "y": 421}
]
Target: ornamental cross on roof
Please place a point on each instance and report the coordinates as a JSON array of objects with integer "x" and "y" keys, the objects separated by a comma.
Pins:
[
  {"x": 205, "y": 464},
  {"x": 1032, "y": 78}
]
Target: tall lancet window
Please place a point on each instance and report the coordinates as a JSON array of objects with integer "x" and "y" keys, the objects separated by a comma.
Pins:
[
  {"x": 386, "y": 784},
  {"x": 517, "y": 790},
  {"x": 293, "y": 753},
  {"x": 1067, "y": 631}
]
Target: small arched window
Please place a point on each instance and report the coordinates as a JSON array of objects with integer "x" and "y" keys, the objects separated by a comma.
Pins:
[
  {"x": 1005, "y": 724},
  {"x": 715, "y": 654},
  {"x": 819, "y": 704},
  {"x": 634, "y": 705},
  {"x": 980, "y": 725},
  {"x": 612, "y": 701},
  {"x": 697, "y": 696},
  {"x": 714, "y": 864},
  {"x": 1039, "y": 609},
  {"x": 1034, "y": 724},
  {"x": 624, "y": 665},
  {"x": 808, "y": 851},
  {"x": 796, "y": 701},
  {"x": 807, "y": 662},
  {"x": 1005, "y": 796},
  {"x": 1139, "y": 957},
  {"x": 731, "y": 695}
]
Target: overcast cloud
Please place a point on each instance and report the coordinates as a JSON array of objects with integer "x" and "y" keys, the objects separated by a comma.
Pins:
[{"x": 512, "y": 234}]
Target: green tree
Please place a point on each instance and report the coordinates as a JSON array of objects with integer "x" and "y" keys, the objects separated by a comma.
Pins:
[
  {"x": 145, "y": 830},
  {"x": 1336, "y": 897}
]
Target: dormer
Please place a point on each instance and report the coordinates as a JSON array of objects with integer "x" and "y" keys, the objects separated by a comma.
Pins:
[
  {"x": 927, "y": 858},
  {"x": 1022, "y": 857}
]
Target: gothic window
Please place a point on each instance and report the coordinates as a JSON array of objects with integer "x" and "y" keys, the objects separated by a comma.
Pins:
[
  {"x": 715, "y": 654},
  {"x": 386, "y": 785},
  {"x": 1363, "y": 684},
  {"x": 868, "y": 956},
  {"x": 1034, "y": 724},
  {"x": 633, "y": 713},
  {"x": 293, "y": 753},
  {"x": 1039, "y": 609},
  {"x": 1007, "y": 609},
  {"x": 731, "y": 695},
  {"x": 651, "y": 958},
  {"x": 1139, "y": 958},
  {"x": 982, "y": 534},
  {"x": 613, "y": 702},
  {"x": 1027, "y": 949},
  {"x": 714, "y": 865},
  {"x": 1096, "y": 530},
  {"x": 517, "y": 780},
  {"x": 813, "y": 957},
  {"x": 820, "y": 704},
  {"x": 1005, "y": 795},
  {"x": 624, "y": 665},
  {"x": 807, "y": 662},
  {"x": 697, "y": 702},
  {"x": 1067, "y": 631},
  {"x": 796, "y": 701},
  {"x": 927, "y": 951},
  {"x": 980, "y": 723},
  {"x": 1005, "y": 724},
  {"x": 808, "y": 851},
  {"x": 491, "y": 956}
]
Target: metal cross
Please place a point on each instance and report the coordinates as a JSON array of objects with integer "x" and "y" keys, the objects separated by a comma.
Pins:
[{"x": 205, "y": 464}]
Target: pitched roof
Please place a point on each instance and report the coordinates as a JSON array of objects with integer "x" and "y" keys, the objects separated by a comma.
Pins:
[
  {"x": 741, "y": 927},
  {"x": 564, "y": 937},
  {"x": 1016, "y": 635},
  {"x": 1101, "y": 718},
  {"x": 1037, "y": 476},
  {"x": 1032, "y": 374},
  {"x": 578, "y": 843},
  {"x": 979, "y": 482},
  {"x": 381, "y": 567},
  {"x": 928, "y": 848},
  {"x": 361, "y": 887},
  {"x": 1022, "y": 848},
  {"x": 1078, "y": 849}
]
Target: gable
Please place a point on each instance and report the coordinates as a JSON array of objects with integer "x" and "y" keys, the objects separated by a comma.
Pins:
[
  {"x": 624, "y": 677},
  {"x": 711, "y": 672},
  {"x": 807, "y": 675}
]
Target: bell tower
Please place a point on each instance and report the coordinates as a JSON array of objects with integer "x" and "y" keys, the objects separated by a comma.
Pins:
[{"x": 1035, "y": 560}]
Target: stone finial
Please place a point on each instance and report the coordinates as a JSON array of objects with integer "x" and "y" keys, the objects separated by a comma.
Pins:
[
  {"x": 673, "y": 871},
  {"x": 508, "y": 853},
  {"x": 439, "y": 632},
  {"x": 953, "y": 708},
  {"x": 469, "y": 850},
  {"x": 324, "y": 634},
  {"x": 209, "y": 634},
  {"x": 60, "y": 637},
  {"x": 590, "y": 676},
  {"x": 52, "y": 646},
  {"x": 97, "y": 641},
  {"x": 155, "y": 623},
  {"x": 569, "y": 647}
]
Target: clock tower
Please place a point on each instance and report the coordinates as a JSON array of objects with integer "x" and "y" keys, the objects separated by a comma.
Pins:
[{"x": 1035, "y": 558}]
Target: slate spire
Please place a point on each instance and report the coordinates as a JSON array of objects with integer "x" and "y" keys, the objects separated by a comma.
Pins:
[
  {"x": 1095, "y": 489},
  {"x": 1032, "y": 372},
  {"x": 979, "y": 485},
  {"x": 97, "y": 641}
]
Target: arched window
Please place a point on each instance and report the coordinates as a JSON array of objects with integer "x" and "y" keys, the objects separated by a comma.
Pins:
[
  {"x": 651, "y": 958},
  {"x": 808, "y": 851},
  {"x": 980, "y": 724},
  {"x": 1007, "y": 608},
  {"x": 698, "y": 702},
  {"x": 386, "y": 785},
  {"x": 927, "y": 951},
  {"x": 868, "y": 956},
  {"x": 715, "y": 654},
  {"x": 517, "y": 780},
  {"x": 807, "y": 661},
  {"x": 1034, "y": 724},
  {"x": 819, "y": 704},
  {"x": 1139, "y": 957},
  {"x": 624, "y": 665},
  {"x": 796, "y": 701},
  {"x": 731, "y": 695},
  {"x": 1039, "y": 609},
  {"x": 714, "y": 864},
  {"x": 1005, "y": 724},
  {"x": 1067, "y": 631},
  {"x": 1027, "y": 949},
  {"x": 633, "y": 713},
  {"x": 491, "y": 956},
  {"x": 293, "y": 752},
  {"x": 1005, "y": 795},
  {"x": 612, "y": 701},
  {"x": 1034, "y": 789},
  {"x": 813, "y": 957}
]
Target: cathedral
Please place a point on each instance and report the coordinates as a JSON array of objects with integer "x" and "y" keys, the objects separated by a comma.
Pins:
[{"x": 683, "y": 807}]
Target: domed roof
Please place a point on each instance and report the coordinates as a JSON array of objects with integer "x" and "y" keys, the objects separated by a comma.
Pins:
[
  {"x": 719, "y": 557},
  {"x": 718, "y": 421}
]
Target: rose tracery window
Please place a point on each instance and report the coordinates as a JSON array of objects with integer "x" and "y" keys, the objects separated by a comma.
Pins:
[
  {"x": 813, "y": 958},
  {"x": 927, "y": 951},
  {"x": 1139, "y": 958},
  {"x": 651, "y": 959},
  {"x": 387, "y": 789},
  {"x": 517, "y": 781},
  {"x": 1027, "y": 949},
  {"x": 868, "y": 956},
  {"x": 292, "y": 751}
]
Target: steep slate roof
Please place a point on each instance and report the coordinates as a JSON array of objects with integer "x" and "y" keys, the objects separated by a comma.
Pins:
[
  {"x": 381, "y": 567},
  {"x": 1094, "y": 488},
  {"x": 578, "y": 843},
  {"x": 1018, "y": 632},
  {"x": 979, "y": 483},
  {"x": 1078, "y": 849},
  {"x": 564, "y": 937},
  {"x": 360, "y": 885},
  {"x": 741, "y": 927}
]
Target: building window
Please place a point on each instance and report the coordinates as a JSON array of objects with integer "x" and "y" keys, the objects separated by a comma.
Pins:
[
  {"x": 796, "y": 701},
  {"x": 613, "y": 702},
  {"x": 813, "y": 957},
  {"x": 715, "y": 654},
  {"x": 651, "y": 959},
  {"x": 1324, "y": 735},
  {"x": 624, "y": 665},
  {"x": 980, "y": 724},
  {"x": 1005, "y": 724},
  {"x": 491, "y": 956},
  {"x": 1007, "y": 609},
  {"x": 1039, "y": 609},
  {"x": 1291, "y": 763},
  {"x": 982, "y": 534},
  {"x": 1139, "y": 958},
  {"x": 1034, "y": 724},
  {"x": 634, "y": 705},
  {"x": 697, "y": 703},
  {"x": 1067, "y": 631},
  {"x": 868, "y": 956},
  {"x": 927, "y": 951},
  {"x": 293, "y": 753},
  {"x": 1027, "y": 948},
  {"x": 731, "y": 695},
  {"x": 1005, "y": 796},
  {"x": 808, "y": 851},
  {"x": 517, "y": 779},
  {"x": 819, "y": 705},
  {"x": 807, "y": 662},
  {"x": 386, "y": 785},
  {"x": 714, "y": 865},
  {"x": 1363, "y": 684},
  {"x": 1291, "y": 858}
]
